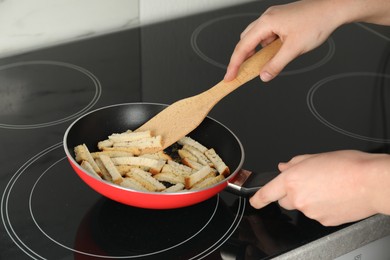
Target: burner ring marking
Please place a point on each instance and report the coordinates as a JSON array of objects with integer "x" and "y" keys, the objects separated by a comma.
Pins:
[
  {"x": 90, "y": 75},
  {"x": 313, "y": 110},
  {"x": 200, "y": 28}
]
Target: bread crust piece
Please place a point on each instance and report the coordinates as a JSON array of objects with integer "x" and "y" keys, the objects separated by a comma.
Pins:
[
  {"x": 198, "y": 176},
  {"x": 220, "y": 165},
  {"x": 88, "y": 167},
  {"x": 123, "y": 169},
  {"x": 201, "y": 158},
  {"x": 207, "y": 182},
  {"x": 175, "y": 188},
  {"x": 104, "y": 173},
  {"x": 169, "y": 177},
  {"x": 154, "y": 165},
  {"x": 133, "y": 150},
  {"x": 107, "y": 162},
  {"x": 111, "y": 154},
  {"x": 145, "y": 179},
  {"x": 191, "y": 142},
  {"x": 82, "y": 154},
  {"x": 178, "y": 168},
  {"x": 132, "y": 184},
  {"x": 192, "y": 164},
  {"x": 104, "y": 144},
  {"x": 159, "y": 155},
  {"x": 142, "y": 144},
  {"x": 129, "y": 136},
  {"x": 186, "y": 154}
]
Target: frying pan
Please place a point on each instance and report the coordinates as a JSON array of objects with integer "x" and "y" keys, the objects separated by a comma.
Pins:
[{"x": 97, "y": 125}]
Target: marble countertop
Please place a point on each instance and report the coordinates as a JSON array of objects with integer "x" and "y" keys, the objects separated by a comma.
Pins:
[
  {"x": 343, "y": 241},
  {"x": 27, "y": 25}
]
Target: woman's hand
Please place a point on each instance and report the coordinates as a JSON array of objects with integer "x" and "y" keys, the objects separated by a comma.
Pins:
[
  {"x": 332, "y": 188},
  {"x": 301, "y": 26}
]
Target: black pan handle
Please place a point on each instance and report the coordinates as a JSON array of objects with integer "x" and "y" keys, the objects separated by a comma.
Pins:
[{"x": 246, "y": 183}]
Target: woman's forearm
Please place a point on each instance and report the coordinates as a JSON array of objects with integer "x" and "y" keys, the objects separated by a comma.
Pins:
[{"x": 370, "y": 11}]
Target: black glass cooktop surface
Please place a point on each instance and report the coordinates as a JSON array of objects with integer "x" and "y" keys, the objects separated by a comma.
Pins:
[{"x": 334, "y": 97}]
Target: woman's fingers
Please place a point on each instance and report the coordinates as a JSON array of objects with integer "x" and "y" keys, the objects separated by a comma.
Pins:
[
  {"x": 253, "y": 36},
  {"x": 272, "y": 191},
  {"x": 283, "y": 166}
]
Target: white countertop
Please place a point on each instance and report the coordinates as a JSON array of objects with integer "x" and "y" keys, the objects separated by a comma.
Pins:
[
  {"x": 31, "y": 24},
  {"x": 26, "y": 24}
]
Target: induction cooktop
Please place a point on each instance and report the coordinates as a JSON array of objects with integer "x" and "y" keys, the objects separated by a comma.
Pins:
[{"x": 332, "y": 98}]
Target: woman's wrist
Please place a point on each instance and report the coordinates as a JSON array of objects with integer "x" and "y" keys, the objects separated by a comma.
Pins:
[{"x": 378, "y": 182}]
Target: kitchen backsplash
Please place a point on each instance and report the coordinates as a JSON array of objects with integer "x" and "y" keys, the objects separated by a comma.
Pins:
[{"x": 27, "y": 25}]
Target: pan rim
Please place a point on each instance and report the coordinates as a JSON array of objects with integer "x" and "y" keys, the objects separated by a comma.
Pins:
[{"x": 187, "y": 192}]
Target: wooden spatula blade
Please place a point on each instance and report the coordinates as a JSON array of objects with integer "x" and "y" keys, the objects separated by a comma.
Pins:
[
  {"x": 177, "y": 120},
  {"x": 183, "y": 116}
]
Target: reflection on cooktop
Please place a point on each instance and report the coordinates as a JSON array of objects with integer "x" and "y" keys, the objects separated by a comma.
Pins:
[
  {"x": 119, "y": 230},
  {"x": 37, "y": 94}
]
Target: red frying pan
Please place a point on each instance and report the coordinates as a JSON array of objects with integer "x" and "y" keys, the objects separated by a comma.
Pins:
[{"x": 97, "y": 125}]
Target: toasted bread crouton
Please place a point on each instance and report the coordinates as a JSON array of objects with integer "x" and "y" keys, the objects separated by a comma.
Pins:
[
  {"x": 180, "y": 168},
  {"x": 172, "y": 170},
  {"x": 132, "y": 184},
  {"x": 192, "y": 164},
  {"x": 146, "y": 179},
  {"x": 191, "y": 142},
  {"x": 186, "y": 154},
  {"x": 123, "y": 168},
  {"x": 104, "y": 144},
  {"x": 150, "y": 142},
  {"x": 88, "y": 167},
  {"x": 157, "y": 156},
  {"x": 217, "y": 162},
  {"x": 154, "y": 165},
  {"x": 169, "y": 177},
  {"x": 104, "y": 173},
  {"x": 207, "y": 182},
  {"x": 82, "y": 154},
  {"x": 175, "y": 188},
  {"x": 107, "y": 162},
  {"x": 198, "y": 176},
  {"x": 133, "y": 150},
  {"x": 129, "y": 136},
  {"x": 111, "y": 154},
  {"x": 201, "y": 158}
]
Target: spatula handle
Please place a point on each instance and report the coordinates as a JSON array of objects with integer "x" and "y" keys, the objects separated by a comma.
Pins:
[
  {"x": 252, "y": 66},
  {"x": 248, "y": 71}
]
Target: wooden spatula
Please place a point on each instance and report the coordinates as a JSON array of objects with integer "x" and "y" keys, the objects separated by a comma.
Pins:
[{"x": 183, "y": 116}]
